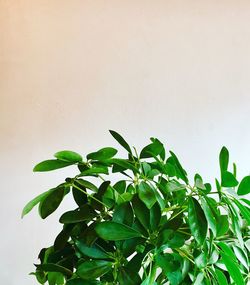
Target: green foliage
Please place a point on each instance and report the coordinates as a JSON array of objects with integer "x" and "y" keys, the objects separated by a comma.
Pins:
[{"x": 149, "y": 226}]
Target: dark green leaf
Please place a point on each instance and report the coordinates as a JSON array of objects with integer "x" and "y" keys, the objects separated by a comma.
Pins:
[
  {"x": 51, "y": 202},
  {"x": 93, "y": 269},
  {"x": 115, "y": 231},
  {"x": 182, "y": 172},
  {"x": 228, "y": 179},
  {"x": 94, "y": 251},
  {"x": 51, "y": 267},
  {"x": 51, "y": 164},
  {"x": 155, "y": 216},
  {"x": 102, "y": 154},
  {"x": 120, "y": 140},
  {"x": 209, "y": 214},
  {"x": 153, "y": 149},
  {"x": 125, "y": 164},
  {"x": 123, "y": 214},
  {"x": 85, "y": 213},
  {"x": 85, "y": 184},
  {"x": 147, "y": 194},
  {"x": 224, "y": 159},
  {"x": 197, "y": 220},
  {"x": 141, "y": 212},
  {"x": 67, "y": 155},
  {"x": 244, "y": 187}
]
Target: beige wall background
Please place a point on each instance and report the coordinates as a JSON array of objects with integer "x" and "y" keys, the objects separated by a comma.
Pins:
[{"x": 71, "y": 70}]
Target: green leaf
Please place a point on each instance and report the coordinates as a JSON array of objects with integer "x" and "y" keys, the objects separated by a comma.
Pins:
[
  {"x": 85, "y": 213},
  {"x": 126, "y": 164},
  {"x": 146, "y": 194},
  {"x": 228, "y": 179},
  {"x": 210, "y": 217},
  {"x": 94, "y": 251},
  {"x": 86, "y": 184},
  {"x": 93, "y": 269},
  {"x": 155, "y": 216},
  {"x": 222, "y": 225},
  {"x": 80, "y": 281},
  {"x": 153, "y": 149},
  {"x": 67, "y": 155},
  {"x": 243, "y": 210},
  {"x": 197, "y": 220},
  {"x": 224, "y": 159},
  {"x": 120, "y": 140},
  {"x": 51, "y": 267},
  {"x": 182, "y": 172},
  {"x": 94, "y": 171},
  {"x": 141, "y": 212},
  {"x": 51, "y": 202},
  {"x": 233, "y": 269},
  {"x": 102, "y": 154},
  {"x": 221, "y": 278},
  {"x": 34, "y": 202},
  {"x": 244, "y": 187},
  {"x": 51, "y": 164},
  {"x": 115, "y": 231},
  {"x": 123, "y": 214}
]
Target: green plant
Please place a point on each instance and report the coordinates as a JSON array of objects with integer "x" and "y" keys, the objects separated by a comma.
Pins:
[{"x": 151, "y": 226}]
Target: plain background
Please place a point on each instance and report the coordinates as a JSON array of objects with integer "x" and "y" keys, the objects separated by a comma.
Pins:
[{"x": 72, "y": 70}]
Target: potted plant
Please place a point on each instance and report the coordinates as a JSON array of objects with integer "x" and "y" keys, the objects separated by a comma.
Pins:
[{"x": 151, "y": 225}]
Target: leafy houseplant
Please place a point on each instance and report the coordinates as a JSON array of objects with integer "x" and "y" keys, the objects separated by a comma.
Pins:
[{"x": 151, "y": 226}]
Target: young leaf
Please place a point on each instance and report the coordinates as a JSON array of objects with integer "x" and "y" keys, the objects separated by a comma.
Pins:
[
  {"x": 67, "y": 155},
  {"x": 51, "y": 164},
  {"x": 224, "y": 159},
  {"x": 93, "y": 269},
  {"x": 51, "y": 202},
  {"x": 244, "y": 187},
  {"x": 197, "y": 220},
  {"x": 115, "y": 231},
  {"x": 102, "y": 154},
  {"x": 120, "y": 140}
]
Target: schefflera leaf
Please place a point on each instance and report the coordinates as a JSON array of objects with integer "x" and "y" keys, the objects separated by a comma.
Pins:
[
  {"x": 197, "y": 221},
  {"x": 115, "y": 231},
  {"x": 68, "y": 155},
  {"x": 244, "y": 187},
  {"x": 93, "y": 269},
  {"x": 51, "y": 164}
]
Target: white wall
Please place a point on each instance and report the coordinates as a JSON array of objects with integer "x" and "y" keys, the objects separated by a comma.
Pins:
[{"x": 71, "y": 70}]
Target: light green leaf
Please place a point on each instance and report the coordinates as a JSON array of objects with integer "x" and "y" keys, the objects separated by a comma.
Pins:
[
  {"x": 224, "y": 159},
  {"x": 51, "y": 164},
  {"x": 233, "y": 269},
  {"x": 67, "y": 155},
  {"x": 34, "y": 202},
  {"x": 102, "y": 154}
]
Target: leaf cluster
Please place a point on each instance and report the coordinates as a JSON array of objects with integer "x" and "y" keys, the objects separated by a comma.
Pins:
[{"x": 150, "y": 226}]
